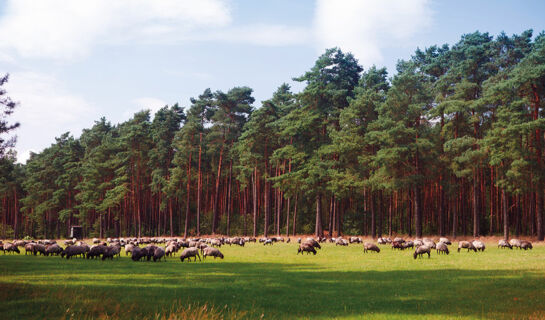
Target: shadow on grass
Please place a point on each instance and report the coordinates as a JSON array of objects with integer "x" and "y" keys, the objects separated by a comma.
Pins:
[{"x": 275, "y": 290}]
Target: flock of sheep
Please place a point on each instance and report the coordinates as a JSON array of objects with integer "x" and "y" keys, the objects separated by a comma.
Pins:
[{"x": 209, "y": 247}]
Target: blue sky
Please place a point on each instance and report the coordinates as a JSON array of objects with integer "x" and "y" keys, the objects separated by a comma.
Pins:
[{"x": 72, "y": 62}]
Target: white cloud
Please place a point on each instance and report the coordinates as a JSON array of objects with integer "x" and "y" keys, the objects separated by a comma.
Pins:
[
  {"x": 66, "y": 29},
  {"x": 46, "y": 111},
  {"x": 364, "y": 27},
  {"x": 263, "y": 35}
]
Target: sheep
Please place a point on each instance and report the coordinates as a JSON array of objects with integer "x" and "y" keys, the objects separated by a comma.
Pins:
[
  {"x": 137, "y": 253},
  {"x": 287, "y": 241},
  {"x": 109, "y": 253},
  {"x": 313, "y": 243},
  {"x": 504, "y": 244},
  {"x": 213, "y": 252},
  {"x": 466, "y": 245},
  {"x": 68, "y": 242},
  {"x": 20, "y": 243},
  {"x": 381, "y": 241},
  {"x": 407, "y": 244},
  {"x": 188, "y": 253},
  {"x": 397, "y": 245},
  {"x": 216, "y": 243},
  {"x": 515, "y": 243},
  {"x": 445, "y": 241},
  {"x": 95, "y": 241},
  {"x": 29, "y": 248},
  {"x": 159, "y": 254},
  {"x": 442, "y": 248},
  {"x": 479, "y": 245},
  {"x": 171, "y": 250},
  {"x": 38, "y": 248},
  {"x": 279, "y": 239},
  {"x": 341, "y": 242},
  {"x": 429, "y": 243},
  {"x": 96, "y": 251},
  {"x": 71, "y": 251},
  {"x": 526, "y": 245},
  {"x": 418, "y": 242},
  {"x": 10, "y": 247},
  {"x": 306, "y": 247},
  {"x": 299, "y": 240},
  {"x": 149, "y": 250},
  {"x": 268, "y": 242},
  {"x": 370, "y": 246},
  {"x": 128, "y": 248},
  {"x": 399, "y": 240},
  {"x": 421, "y": 250},
  {"x": 53, "y": 249}
]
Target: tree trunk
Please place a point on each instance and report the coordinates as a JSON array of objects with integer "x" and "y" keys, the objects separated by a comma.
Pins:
[
  {"x": 476, "y": 207},
  {"x": 295, "y": 214},
  {"x": 217, "y": 193},
  {"x": 505, "y": 216},
  {"x": 318, "y": 232},
  {"x": 254, "y": 186},
  {"x": 229, "y": 200},
  {"x": 188, "y": 195}
]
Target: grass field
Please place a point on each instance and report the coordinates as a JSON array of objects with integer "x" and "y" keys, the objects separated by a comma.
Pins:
[{"x": 273, "y": 282}]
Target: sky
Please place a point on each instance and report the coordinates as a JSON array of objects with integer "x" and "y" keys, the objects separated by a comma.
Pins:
[{"x": 73, "y": 62}]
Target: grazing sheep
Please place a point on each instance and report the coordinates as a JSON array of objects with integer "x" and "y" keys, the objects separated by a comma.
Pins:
[
  {"x": 216, "y": 243},
  {"x": 370, "y": 246},
  {"x": 137, "y": 253},
  {"x": 381, "y": 241},
  {"x": 306, "y": 247},
  {"x": 109, "y": 253},
  {"x": 20, "y": 243},
  {"x": 526, "y": 245},
  {"x": 466, "y": 245},
  {"x": 418, "y": 242},
  {"x": 299, "y": 240},
  {"x": 149, "y": 250},
  {"x": 159, "y": 254},
  {"x": 421, "y": 250},
  {"x": 504, "y": 244},
  {"x": 515, "y": 243},
  {"x": 96, "y": 241},
  {"x": 287, "y": 241},
  {"x": 445, "y": 241},
  {"x": 407, "y": 244},
  {"x": 341, "y": 242},
  {"x": 429, "y": 243},
  {"x": 96, "y": 251},
  {"x": 71, "y": 251},
  {"x": 53, "y": 249},
  {"x": 398, "y": 239},
  {"x": 479, "y": 245},
  {"x": 212, "y": 252},
  {"x": 68, "y": 242},
  {"x": 442, "y": 247},
  {"x": 171, "y": 250},
  {"x": 268, "y": 241},
  {"x": 38, "y": 248},
  {"x": 313, "y": 243},
  {"x": 10, "y": 247},
  {"x": 190, "y": 252},
  {"x": 397, "y": 245}
]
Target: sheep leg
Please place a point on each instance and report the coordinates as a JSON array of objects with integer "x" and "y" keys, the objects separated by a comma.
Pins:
[{"x": 429, "y": 255}]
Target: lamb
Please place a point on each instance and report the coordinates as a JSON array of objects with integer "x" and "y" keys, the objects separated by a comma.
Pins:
[
  {"x": 188, "y": 253},
  {"x": 442, "y": 247},
  {"x": 159, "y": 254},
  {"x": 504, "y": 244},
  {"x": 370, "y": 246},
  {"x": 466, "y": 245},
  {"x": 71, "y": 251},
  {"x": 526, "y": 245},
  {"x": 53, "y": 249},
  {"x": 421, "y": 250},
  {"x": 306, "y": 247},
  {"x": 213, "y": 252},
  {"x": 479, "y": 245}
]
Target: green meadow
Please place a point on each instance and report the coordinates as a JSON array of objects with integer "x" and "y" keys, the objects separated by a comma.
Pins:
[{"x": 273, "y": 282}]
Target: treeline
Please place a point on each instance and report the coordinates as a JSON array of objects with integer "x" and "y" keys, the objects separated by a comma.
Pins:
[{"x": 452, "y": 144}]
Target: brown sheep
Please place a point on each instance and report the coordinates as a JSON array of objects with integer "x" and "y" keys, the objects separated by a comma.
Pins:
[
  {"x": 466, "y": 245},
  {"x": 420, "y": 251},
  {"x": 159, "y": 254},
  {"x": 306, "y": 247},
  {"x": 313, "y": 243},
  {"x": 190, "y": 252},
  {"x": 71, "y": 251},
  {"x": 10, "y": 247},
  {"x": 369, "y": 246},
  {"x": 53, "y": 249},
  {"x": 212, "y": 252},
  {"x": 526, "y": 245},
  {"x": 504, "y": 244},
  {"x": 442, "y": 247},
  {"x": 96, "y": 251}
]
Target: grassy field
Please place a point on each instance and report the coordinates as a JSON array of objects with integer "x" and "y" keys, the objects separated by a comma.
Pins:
[{"x": 273, "y": 282}]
